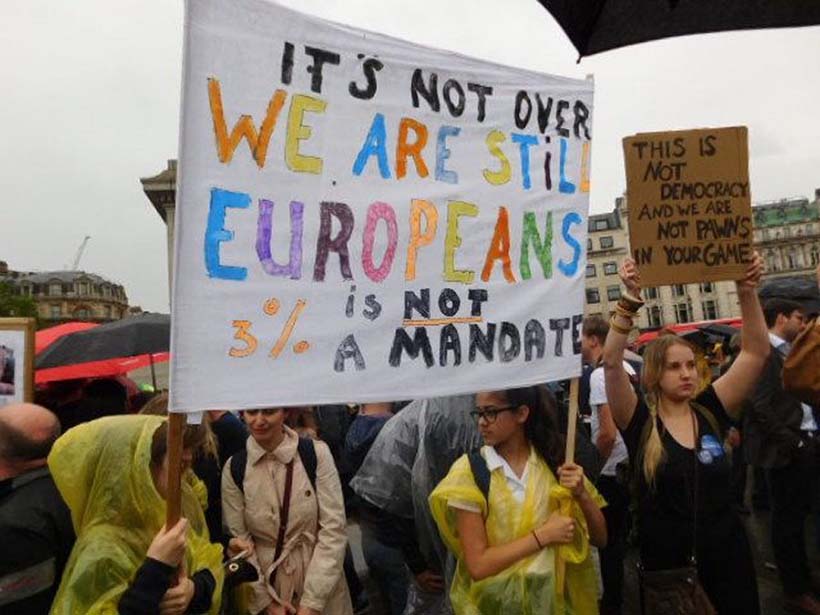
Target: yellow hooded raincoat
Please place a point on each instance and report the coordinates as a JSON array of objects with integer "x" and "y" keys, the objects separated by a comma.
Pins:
[
  {"x": 102, "y": 471},
  {"x": 529, "y": 586}
]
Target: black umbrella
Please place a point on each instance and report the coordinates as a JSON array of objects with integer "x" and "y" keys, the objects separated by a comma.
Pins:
[
  {"x": 145, "y": 334},
  {"x": 803, "y": 289},
  {"x": 599, "y": 25}
]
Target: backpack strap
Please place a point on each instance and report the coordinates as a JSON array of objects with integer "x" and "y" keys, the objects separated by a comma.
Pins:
[
  {"x": 307, "y": 453},
  {"x": 481, "y": 473},
  {"x": 709, "y": 416},
  {"x": 238, "y": 462}
]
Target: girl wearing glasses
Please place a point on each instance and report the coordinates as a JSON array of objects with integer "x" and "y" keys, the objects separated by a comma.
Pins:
[
  {"x": 296, "y": 532},
  {"x": 506, "y": 537}
]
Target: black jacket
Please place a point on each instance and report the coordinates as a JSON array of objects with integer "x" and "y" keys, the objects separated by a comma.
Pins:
[
  {"x": 771, "y": 436},
  {"x": 37, "y": 536}
]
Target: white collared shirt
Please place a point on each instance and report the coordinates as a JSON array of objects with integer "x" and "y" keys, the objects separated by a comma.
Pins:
[
  {"x": 516, "y": 484},
  {"x": 808, "y": 423}
]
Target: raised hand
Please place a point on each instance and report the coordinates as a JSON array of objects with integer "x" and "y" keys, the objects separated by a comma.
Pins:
[
  {"x": 631, "y": 277},
  {"x": 754, "y": 271}
]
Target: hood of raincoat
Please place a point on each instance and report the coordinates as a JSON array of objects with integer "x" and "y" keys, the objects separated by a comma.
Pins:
[
  {"x": 360, "y": 437},
  {"x": 102, "y": 471}
]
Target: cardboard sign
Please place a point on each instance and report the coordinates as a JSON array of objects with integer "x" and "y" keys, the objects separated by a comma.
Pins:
[
  {"x": 690, "y": 208},
  {"x": 364, "y": 219}
]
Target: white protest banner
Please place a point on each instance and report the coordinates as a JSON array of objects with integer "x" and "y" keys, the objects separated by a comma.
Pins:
[{"x": 364, "y": 219}]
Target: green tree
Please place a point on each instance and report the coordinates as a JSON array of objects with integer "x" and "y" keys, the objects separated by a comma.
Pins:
[{"x": 12, "y": 304}]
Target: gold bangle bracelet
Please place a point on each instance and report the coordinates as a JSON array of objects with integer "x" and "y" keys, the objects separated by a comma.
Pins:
[
  {"x": 538, "y": 542},
  {"x": 618, "y": 328},
  {"x": 621, "y": 311}
]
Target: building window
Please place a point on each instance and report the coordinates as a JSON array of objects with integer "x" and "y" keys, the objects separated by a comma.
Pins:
[
  {"x": 590, "y": 271},
  {"x": 792, "y": 260},
  {"x": 613, "y": 293},
  {"x": 655, "y": 316},
  {"x": 610, "y": 268},
  {"x": 815, "y": 256},
  {"x": 710, "y": 311},
  {"x": 652, "y": 292},
  {"x": 589, "y": 245},
  {"x": 55, "y": 289},
  {"x": 82, "y": 313},
  {"x": 56, "y": 311},
  {"x": 707, "y": 287},
  {"x": 600, "y": 225},
  {"x": 678, "y": 291},
  {"x": 83, "y": 288},
  {"x": 108, "y": 311},
  {"x": 683, "y": 313},
  {"x": 593, "y": 296},
  {"x": 606, "y": 242}
]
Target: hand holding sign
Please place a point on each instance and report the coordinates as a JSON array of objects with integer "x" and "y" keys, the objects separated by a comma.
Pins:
[
  {"x": 630, "y": 276},
  {"x": 753, "y": 273}
]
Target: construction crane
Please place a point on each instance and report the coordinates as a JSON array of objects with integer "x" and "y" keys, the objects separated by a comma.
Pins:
[{"x": 79, "y": 253}]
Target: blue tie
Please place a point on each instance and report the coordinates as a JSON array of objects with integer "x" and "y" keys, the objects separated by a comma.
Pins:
[{"x": 784, "y": 349}]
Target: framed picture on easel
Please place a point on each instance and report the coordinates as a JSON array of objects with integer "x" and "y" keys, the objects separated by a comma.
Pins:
[{"x": 16, "y": 360}]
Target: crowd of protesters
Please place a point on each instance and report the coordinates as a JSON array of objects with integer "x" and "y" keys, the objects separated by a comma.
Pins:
[{"x": 465, "y": 505}]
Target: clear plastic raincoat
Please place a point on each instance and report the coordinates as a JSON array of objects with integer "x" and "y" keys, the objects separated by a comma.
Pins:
[
  {"x": 102, "y": 471},
  {"x": 531, "y": 585}
]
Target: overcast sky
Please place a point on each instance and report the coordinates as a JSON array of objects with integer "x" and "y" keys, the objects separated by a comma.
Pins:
[{"x": 89, "y": 103}]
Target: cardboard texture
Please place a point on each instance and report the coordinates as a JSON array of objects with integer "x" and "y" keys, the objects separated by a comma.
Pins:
[{"x": 690, "y": 209}]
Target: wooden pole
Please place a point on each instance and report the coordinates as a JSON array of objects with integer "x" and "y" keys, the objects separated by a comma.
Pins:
[
  {"x": 176, "y": 426},
  {"x": 572, "y": 420}
]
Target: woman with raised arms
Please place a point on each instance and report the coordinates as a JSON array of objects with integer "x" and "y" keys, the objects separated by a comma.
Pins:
[{"x": 686, "y": 516}]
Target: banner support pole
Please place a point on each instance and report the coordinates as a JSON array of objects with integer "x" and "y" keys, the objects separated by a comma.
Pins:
[{"x": 173, "y": 511}]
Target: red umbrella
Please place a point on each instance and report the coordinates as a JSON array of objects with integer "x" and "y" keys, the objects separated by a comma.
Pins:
[
  {"x": 648, "y": 336},
  {"x": 98, "y": 369},
  {"x": 46, "y": 337}
]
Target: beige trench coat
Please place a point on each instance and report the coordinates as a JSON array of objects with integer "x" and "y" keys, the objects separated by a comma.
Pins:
[{"x": 310, "y": 570}]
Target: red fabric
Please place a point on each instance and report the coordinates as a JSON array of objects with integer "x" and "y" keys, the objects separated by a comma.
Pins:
[
  {"x": 96, "y": 369},
  {"x": 645, "y": 338},
  {"x": 46, "y": 337}
]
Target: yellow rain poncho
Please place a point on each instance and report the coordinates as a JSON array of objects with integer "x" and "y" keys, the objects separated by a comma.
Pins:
[
  {"x": 528, "y": 586},
  {"x": 102, "y": 471}
]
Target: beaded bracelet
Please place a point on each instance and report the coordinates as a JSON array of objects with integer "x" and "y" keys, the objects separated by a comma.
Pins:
[{"x": 621, "y": 311}]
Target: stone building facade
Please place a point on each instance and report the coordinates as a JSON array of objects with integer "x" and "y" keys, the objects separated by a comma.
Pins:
[
  {"x": 787, "y": 235},
  {"x": 62, "y": 296}
]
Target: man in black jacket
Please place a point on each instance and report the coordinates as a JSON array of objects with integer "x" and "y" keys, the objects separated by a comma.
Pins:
[
  {"x": 34, "y": 521},
  {"x": 781, "y": 437}
]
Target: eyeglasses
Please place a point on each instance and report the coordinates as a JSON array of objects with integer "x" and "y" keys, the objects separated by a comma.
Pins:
[
  {"x": 264, "y": 411},
  {"x": 488, "y": 413}
]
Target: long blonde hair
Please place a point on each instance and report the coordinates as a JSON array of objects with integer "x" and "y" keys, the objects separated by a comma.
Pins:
[{"x": 654, "y": 362}]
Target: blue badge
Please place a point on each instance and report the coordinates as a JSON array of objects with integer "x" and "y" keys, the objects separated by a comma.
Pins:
[{"x": 710, "y": 449}]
